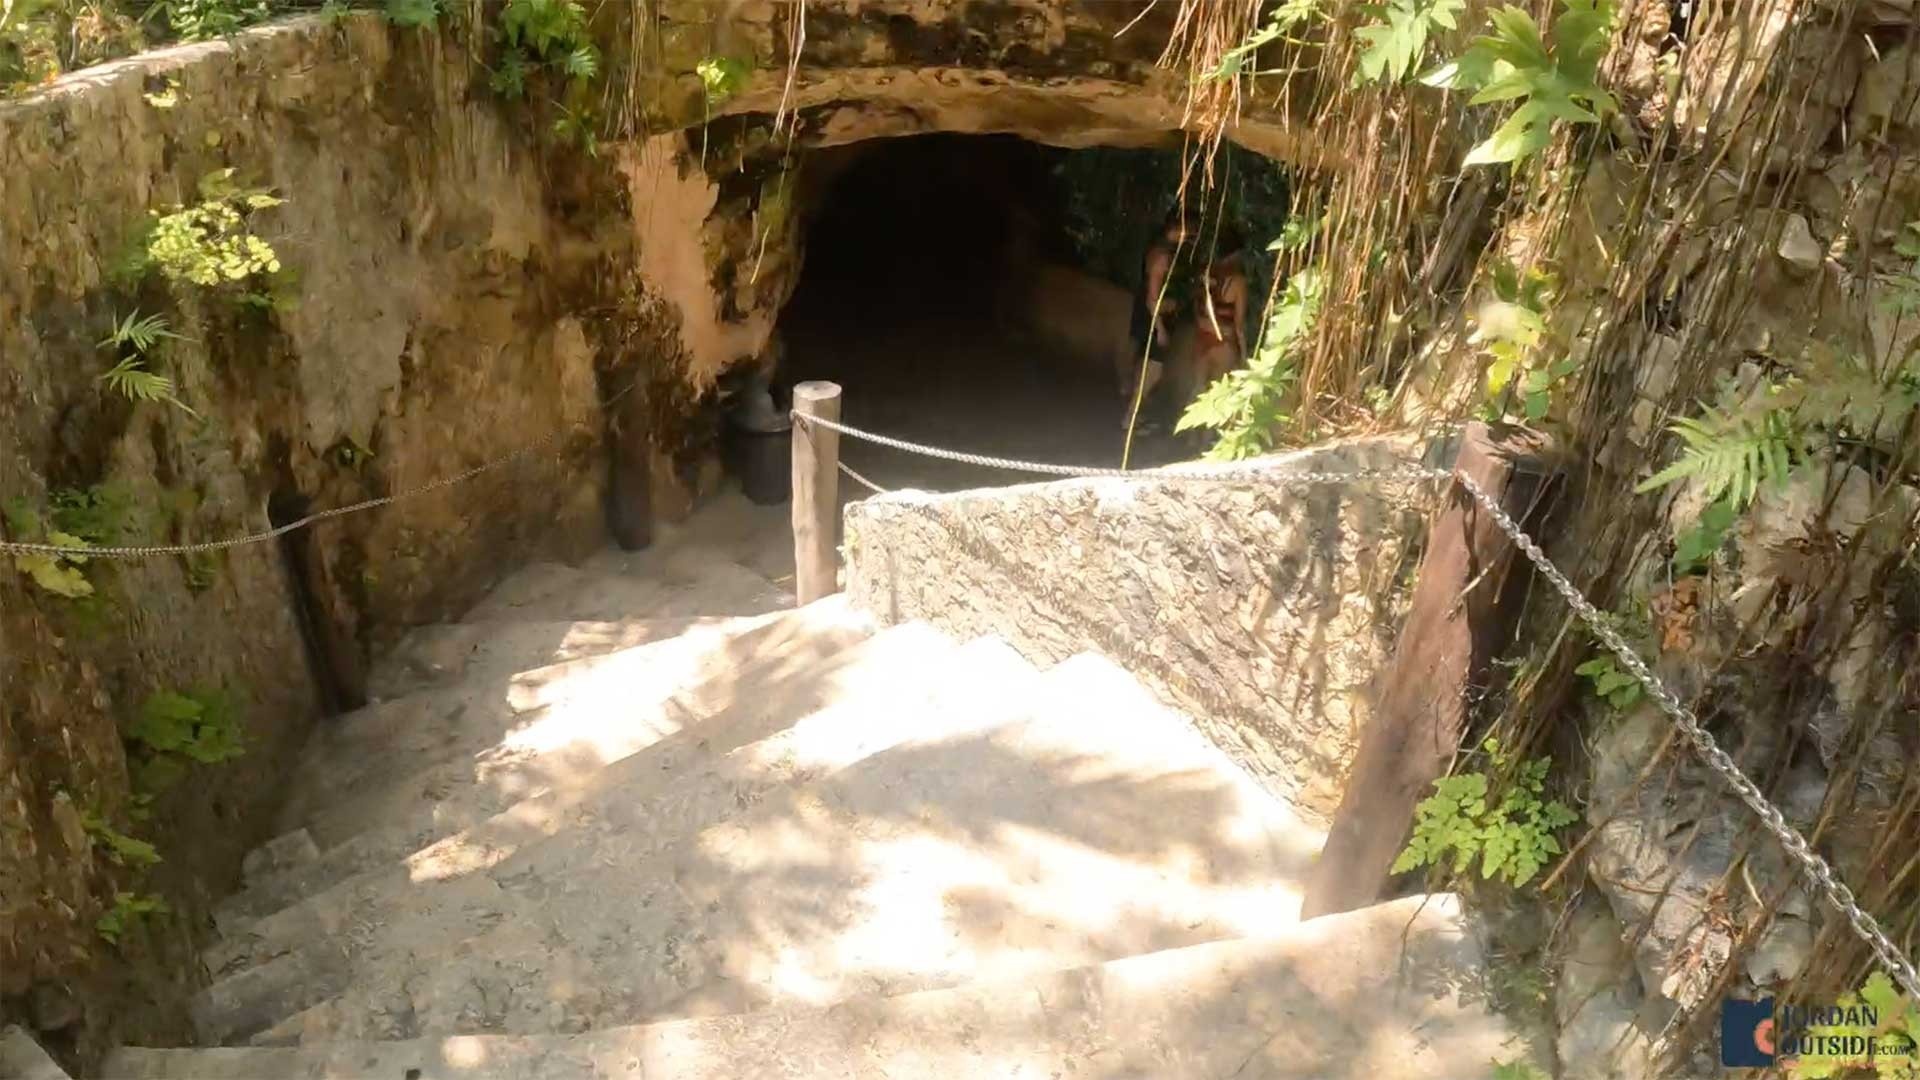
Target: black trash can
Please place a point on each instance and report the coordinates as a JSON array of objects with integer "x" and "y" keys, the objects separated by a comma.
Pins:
[{"x": 758, "y": 445}]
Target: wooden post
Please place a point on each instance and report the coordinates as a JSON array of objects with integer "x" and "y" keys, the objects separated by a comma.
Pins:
[
  {"x": 816, "y": 492},
  {"x": 1461, "y": 609}
]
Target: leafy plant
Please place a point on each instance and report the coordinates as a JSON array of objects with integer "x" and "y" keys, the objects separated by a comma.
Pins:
[
  {"x": 1694, "y": 547},
  {"x": 412, "y": 13},
  {"x": 537, "y": 32},
  {"x": 1617, "y": 688},
  {"x": 57, "y": 573},
  {"x": 122, "y": 849},
  {"x": 1552, "y": 77},
  {"x": 1518, "y": 1069},
  {"x": 176, "y": 728},
  {"x": 1512, "y": 838},
  {"x": 1247, "y": 404},
  {"x": 202, "y": 20},
  {"x": 1733, "y": 452},
  {"x": 128, "y": 910},
  {"x": 132, "y": 339},
  {"x": 1286, "y": 17},
  {"x": 509, "y": 80},
  {"x": 581, "y": 127},
  {"x": 1397, "y": 39},
  {"x": 1512, "y": 331},
  {"x": 211, "y": 243},
  {"x": 1894, "y": 1038},
  {"x": 99, "y": 514},
  {"x": 723, "y": 77}
]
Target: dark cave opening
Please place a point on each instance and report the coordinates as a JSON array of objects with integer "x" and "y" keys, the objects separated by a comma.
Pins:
[
  {"x": 919, "y": 296},
  {"x": 976, "y": 292}
]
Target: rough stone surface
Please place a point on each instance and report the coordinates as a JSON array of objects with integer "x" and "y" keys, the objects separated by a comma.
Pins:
[
  {"x": 1262, "y": 608},
  {"x": 1373, "y": 993}
]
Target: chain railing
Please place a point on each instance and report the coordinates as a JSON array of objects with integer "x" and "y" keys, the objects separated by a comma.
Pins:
[
  {"x": 143, "y": 551},
  {"x": 1812, "y": 865}
]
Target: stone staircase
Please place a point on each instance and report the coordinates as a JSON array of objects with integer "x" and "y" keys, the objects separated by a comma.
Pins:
[{"x": 643, "y": 818}]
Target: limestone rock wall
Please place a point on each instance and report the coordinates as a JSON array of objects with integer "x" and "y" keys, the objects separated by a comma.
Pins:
[
  {"x": 448, "y": 304},
  {"x": 1263, "y": 609}
]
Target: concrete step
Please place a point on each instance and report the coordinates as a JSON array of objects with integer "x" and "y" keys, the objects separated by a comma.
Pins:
[
  {"x": 1390, "y": 992},
  {"x": 671, "y": 788},
  {"x": 702, "y": 583},
  {"x": 385, "y": 742},
  {"x": 1089, "y": 824},
  {"x": 21, "y": 1058},
  {"x": 649, "y": 805},
  {"x": 409, "y": 775},
  {"x": 446, "y": 653}
]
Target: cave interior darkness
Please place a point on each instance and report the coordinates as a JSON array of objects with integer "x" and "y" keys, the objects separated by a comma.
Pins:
[{"x": 906, "y": 248}]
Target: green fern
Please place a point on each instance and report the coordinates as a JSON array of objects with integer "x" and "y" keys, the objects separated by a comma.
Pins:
[
  {"x": 1397, "y": 40},
  {"x": 1246, "y": 405},
  {"x": 137, "y": 332},
  {"x": 130, "y": 379},
  {"x": 1733, "y": 454},
  {"x": 1552, "y": 76}
]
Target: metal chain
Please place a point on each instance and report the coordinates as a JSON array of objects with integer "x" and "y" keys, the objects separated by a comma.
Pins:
[
  {"x": 150, "y": 550},
  {"x": 1816, "y": 868},
  {"x": 1811, "y": 863}
]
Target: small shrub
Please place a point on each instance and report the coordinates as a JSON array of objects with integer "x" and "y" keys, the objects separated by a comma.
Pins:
[
  {"x": 129, "y": 909},
  {"x": 177, "y": 729},
  {"x": 543, "y": 33},
  {"x": 211, "y": 243},
  {"x": 1511, "y": 838},
  {"x": 202, "y": 20}
]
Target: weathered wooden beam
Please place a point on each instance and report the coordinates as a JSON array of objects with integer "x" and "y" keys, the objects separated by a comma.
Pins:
[
  {"x": 1461, "y": 611},
  {"x": 816, "y": 492}
]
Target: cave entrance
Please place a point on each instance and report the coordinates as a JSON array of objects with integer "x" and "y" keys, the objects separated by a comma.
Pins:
[{"x": 919, "y": 296}]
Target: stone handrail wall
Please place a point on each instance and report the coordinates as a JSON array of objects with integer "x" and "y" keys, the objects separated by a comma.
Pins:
[{"x": 1263, "y": 609}]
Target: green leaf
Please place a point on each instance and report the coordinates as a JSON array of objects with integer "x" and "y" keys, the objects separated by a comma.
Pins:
[
  {"x": 1523, "y": 134},
  {"x": 412, "y": 13}
]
